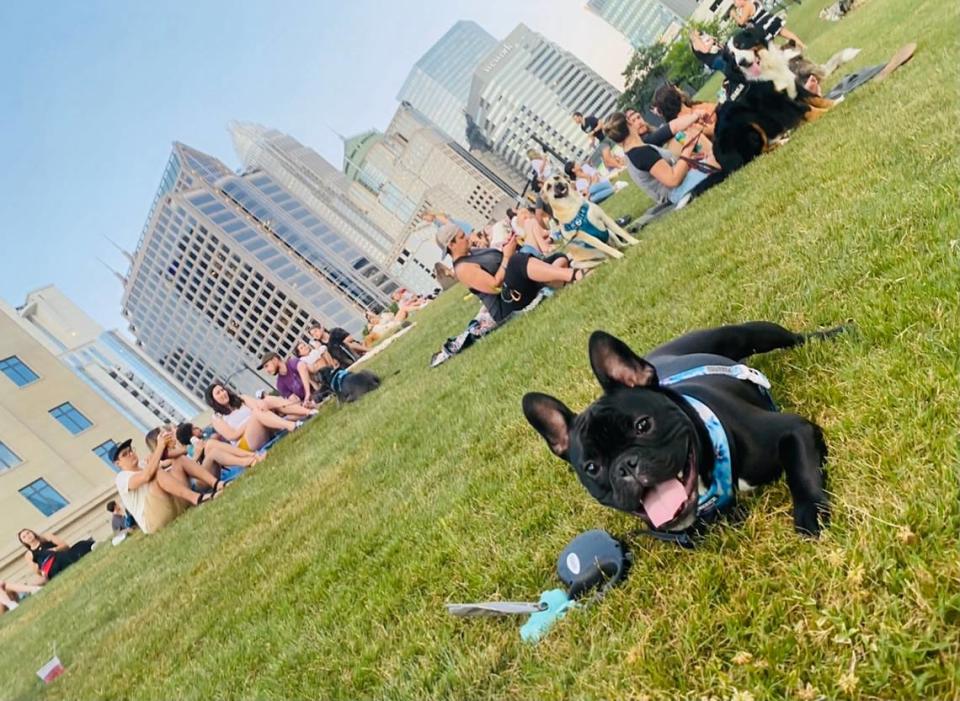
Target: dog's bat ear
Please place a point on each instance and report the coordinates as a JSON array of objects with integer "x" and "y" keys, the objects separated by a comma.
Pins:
[
  {"x": 552, "y": 420},
  {"x": 615, "y": 365}
]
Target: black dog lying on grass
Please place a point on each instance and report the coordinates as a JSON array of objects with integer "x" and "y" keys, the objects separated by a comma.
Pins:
[
  {"x": 674, "y": 436},
  {"x": 349, "y": 386}
]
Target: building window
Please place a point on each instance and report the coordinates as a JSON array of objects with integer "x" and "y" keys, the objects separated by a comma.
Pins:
[
  {"x": 70, "y": 418},
  {"x": 103, "y": 452},
  {"x": 17, "y": 371},
  {"x": 8, "y": 458},
  {"x": 47, "y": 499}
]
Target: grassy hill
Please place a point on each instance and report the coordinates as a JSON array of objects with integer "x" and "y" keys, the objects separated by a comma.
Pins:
[{"x": 323, "y": 573}]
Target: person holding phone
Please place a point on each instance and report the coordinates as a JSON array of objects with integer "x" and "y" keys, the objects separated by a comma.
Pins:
[
  {"x": 505, "y": 280},
  {"x": 664, "y": 176},
  {"x": 155, "y": 496}
]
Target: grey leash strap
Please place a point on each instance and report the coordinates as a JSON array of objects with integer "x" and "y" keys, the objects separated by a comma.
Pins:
[{"x": 495, "y": 608}]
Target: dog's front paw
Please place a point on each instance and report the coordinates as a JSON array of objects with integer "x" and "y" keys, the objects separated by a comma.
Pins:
[{"x": 810, "y": 517}]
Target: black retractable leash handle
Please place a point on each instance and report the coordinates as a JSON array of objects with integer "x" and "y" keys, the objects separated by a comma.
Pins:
[{"x": 593, "y": 560}]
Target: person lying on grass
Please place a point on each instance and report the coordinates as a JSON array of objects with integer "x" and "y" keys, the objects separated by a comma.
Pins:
[
  {"x": 249, "y": 423},
  {"x": 665, "y": 177},
  {"x": 155, "y": 496},
  {"x": 505, "y": 281},
  {"x": 48, "y": 555}
]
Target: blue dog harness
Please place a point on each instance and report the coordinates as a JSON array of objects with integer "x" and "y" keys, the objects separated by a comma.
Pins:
[
  {"x": 582, "y": 223},
  {"x": 337, "y": 380},
  {"x": 721, "y": 493}
]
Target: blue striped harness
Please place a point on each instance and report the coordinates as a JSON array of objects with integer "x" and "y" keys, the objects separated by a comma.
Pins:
[{"x": 721, "y": 494}]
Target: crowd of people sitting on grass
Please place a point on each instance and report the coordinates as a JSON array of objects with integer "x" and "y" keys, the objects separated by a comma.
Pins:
[
  {"x": 509, "y": 265},
  {"x": 188, "y": 466},
  {"x": 512, "y": 264}
]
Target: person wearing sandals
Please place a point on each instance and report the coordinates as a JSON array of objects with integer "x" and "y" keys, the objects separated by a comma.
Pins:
[
  {"x": 506, "y": 281},
  {"x": 664, "y": 176},
  {"x": 154, "y": 496}
]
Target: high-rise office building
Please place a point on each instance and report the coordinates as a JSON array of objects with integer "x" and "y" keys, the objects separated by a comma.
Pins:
[
  {"x": 524, "y": 94},
  {"x": 439, "y": 84},
  {"x": 324, "y": 189},
  {"x": 56, "y": 433},
  {"x": 231, "y": 266},
  {"x": 413, "y": 168},
  {"x": 642, "y": 22},
  {"x": 112, "y": 366}
]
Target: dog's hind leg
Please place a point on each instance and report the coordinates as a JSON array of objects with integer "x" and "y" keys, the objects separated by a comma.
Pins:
[
  {"x": 616, "y": 231},
  {"x": 736, "y": 341},
  {"x": 598, "y": 244},
  {"x": 740, "y": 341},
  {"x": 803, "y": 454}
]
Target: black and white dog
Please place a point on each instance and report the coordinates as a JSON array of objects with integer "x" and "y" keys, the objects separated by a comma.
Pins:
[
  {"x": 676, "y": 435},
  {"x": 770, "y": 103}
]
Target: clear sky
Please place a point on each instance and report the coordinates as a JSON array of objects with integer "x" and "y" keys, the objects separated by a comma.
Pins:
[{"x": 93, "y": 93}]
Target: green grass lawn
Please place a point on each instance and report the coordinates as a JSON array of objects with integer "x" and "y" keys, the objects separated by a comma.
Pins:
[{"x": 323, "y": 573}]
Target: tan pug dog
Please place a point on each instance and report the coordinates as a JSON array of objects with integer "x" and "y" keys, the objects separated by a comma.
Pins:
[{"x": 584, "y": 223}]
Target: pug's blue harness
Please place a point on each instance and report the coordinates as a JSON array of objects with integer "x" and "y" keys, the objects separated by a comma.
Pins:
[{"x": 721, "y": 493}]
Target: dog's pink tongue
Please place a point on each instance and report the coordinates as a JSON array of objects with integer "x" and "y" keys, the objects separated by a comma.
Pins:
[{"x": 664, "y": 501}]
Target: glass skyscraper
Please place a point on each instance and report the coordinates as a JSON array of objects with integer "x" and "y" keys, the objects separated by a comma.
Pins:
[
  {"x": 524, "y": 94},
  {"x": 231, "y": 266},
  {"x": 642, "y": 22},
  {"x": 439, "y": 84}
]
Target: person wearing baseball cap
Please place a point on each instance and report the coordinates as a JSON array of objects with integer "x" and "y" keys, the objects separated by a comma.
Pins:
[
  {"x": 155, "y": 497},
  {"x": 507, "y": 280}
]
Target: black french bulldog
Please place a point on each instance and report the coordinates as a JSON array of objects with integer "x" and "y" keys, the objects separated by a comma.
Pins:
[{"x": 643, "y": 447}]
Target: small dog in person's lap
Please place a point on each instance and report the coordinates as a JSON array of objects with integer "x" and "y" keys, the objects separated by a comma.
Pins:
[{"x": 677, "y": 434}]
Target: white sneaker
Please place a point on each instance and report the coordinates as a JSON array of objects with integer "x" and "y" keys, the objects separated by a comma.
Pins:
[{"x": 620, "y": 184}]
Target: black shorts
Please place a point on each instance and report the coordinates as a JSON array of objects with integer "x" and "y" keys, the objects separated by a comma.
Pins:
[{"x": 518, "y": 289}]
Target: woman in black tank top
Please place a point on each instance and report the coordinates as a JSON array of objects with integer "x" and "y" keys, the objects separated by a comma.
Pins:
[
  {"x": 505, "y": 281},
  {"x": 50, "y": 555}
]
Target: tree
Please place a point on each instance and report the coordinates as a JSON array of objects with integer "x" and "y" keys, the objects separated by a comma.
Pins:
[
  {"x": 654, "y": 65},
  {"x": 643, "y": 75}
]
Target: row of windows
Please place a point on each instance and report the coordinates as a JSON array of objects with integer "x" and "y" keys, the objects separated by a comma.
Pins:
[
  {"x": 21, "y": 375},
  {"x": 9, "y": 459}
]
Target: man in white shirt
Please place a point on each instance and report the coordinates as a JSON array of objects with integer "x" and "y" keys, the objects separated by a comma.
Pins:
[{"x": 156, "y": 496}]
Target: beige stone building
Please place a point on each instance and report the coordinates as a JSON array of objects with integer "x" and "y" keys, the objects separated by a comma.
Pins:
[{"x": 55, "y": 432}]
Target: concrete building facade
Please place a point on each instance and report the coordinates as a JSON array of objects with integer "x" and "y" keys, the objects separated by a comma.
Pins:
[
  {"x": 524, "y": 94},
  {"x": 231, "y": 266},
  {"x": 439, "y": 83},
  {"x": 106, "y": 361},
  {"x": 55, "y": 434},
  {"x": 324, "y": 189},
  {"x": 413, "y": 168}
]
